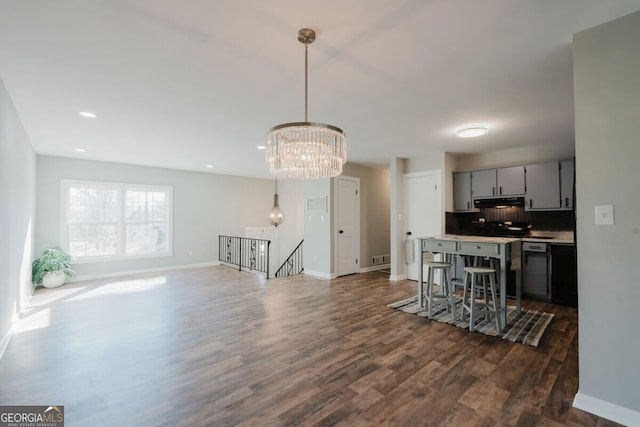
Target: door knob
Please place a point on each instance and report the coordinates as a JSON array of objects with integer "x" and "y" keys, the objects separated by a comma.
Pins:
[
  {"x": 408, "y": 233},
  {"x": 341, "y": 231}
]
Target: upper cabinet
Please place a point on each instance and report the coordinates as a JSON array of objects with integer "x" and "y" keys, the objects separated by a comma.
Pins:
[
  {"x": 567, "y": 174},
  {"x": 543, "y": 186},
  {"x": 498, "y": 182},
  {"x": 483, "y": 183},
  {"x": 510, "y": 181},
  {"x": 462, "y": 192}
]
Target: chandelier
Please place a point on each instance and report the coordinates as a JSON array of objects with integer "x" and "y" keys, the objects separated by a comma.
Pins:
[{"x": 306, "y": 150}]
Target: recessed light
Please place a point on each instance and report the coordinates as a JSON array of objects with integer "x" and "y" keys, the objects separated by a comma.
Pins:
[
  {"x": 472, "y": 131},
  {"x": 262, "y": 147},
  {"x": 79, "y": 150},
  {"x": 209, "y": 166},
  {"x": 87, "y": 114}
]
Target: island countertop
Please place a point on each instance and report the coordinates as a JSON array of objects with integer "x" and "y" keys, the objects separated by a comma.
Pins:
[
  {"x": 499, "y": 248},
  {"x": 473, "y": 239}
]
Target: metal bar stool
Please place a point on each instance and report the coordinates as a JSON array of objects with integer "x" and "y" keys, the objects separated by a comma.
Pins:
[
  {"x": 473, "y": 287},
  {"x": 446, "y": 292}
]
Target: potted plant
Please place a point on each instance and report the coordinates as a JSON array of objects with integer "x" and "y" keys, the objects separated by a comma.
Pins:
[{"x": 52, "y": 268}]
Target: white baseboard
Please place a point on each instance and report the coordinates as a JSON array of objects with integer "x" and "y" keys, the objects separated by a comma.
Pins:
[
  {"x": 319, "y": 274},
  {"x": 4, "y": 343},
  {"x": 146, "y": 270},
  {"x": 397, "y": 277},
  {"x": 604, "y": 409},
  {"x": 374, "y": 268}
]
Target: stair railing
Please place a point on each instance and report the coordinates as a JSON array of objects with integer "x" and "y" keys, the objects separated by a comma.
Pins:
[
  {"x": 252, "y": 254},
  {"x": 293, "y": 264}
]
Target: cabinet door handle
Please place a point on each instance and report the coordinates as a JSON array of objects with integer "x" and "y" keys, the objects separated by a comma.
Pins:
[
  {"x": 501, "y": 190},
  {"x": 468, "y": 206},
  {"x": 530, "y": 203},
  {"x": 493, "y": 191},
  {"x": 566, "y": 202}
]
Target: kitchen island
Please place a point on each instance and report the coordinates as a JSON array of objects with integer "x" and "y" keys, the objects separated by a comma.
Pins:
[{"x": 498, "y": 248}]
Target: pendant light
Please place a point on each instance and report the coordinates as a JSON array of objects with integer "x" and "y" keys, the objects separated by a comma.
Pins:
[
  {"x": 276, "y": 216},
  {"x": 306, "y": 150}
]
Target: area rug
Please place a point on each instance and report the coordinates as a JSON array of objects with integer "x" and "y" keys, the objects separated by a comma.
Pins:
[{"x": 526, "y": 328}]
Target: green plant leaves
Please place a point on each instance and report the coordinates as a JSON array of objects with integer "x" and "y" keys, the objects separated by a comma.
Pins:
[{"x": 52, "y": 259}]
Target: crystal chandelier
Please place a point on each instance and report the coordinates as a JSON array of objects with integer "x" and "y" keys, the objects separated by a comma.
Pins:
[
  {"x": 306, "y": 150},
  {"x": 276, "y": 216}
]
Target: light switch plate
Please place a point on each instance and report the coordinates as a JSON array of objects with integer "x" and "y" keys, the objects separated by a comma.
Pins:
[{"x": 604, "y": 214}]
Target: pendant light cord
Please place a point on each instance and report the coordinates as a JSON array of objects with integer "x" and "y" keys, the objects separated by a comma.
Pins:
[{"x": 306, "y": 80}]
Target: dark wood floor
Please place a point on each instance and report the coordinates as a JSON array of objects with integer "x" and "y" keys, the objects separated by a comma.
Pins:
[{"x": 214, "y": 346}]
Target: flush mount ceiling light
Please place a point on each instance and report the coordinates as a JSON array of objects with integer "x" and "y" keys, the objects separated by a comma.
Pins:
[
  {"x": 306, "y": 150},
  {"x": 87, "y": 114},
  {"x": 472, "y": 131}
]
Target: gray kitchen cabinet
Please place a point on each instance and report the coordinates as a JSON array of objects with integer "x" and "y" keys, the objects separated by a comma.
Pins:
[
  {"x": 543, "y": 186},
  {"x": 510, "y": 181},
  {"x": 462, "y": 192},
  {"x": 567, "y": 168},
  {"x": 535, "y": 270},
  {"x": 507, "y": 181},
  {"x": 483, "y": 183}
]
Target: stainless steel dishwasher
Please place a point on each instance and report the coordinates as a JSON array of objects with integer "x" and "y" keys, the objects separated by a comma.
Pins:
[{"x": 535, "y": 270}]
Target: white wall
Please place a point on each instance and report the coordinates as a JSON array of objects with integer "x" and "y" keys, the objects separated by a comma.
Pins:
[
  {"x": 205, "y": 205},
  {"x": 395, "y": 220},
  {"x": 539, "y": 153},
  {"x": 318, "y": 244},
  {"x": 441, "y": 161},
  {"x": 17, "y": 205},
  {"x": 607, "y": 107}
]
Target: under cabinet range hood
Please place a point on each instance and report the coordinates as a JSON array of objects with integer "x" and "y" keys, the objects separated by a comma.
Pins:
[{"x": 499, "y": 202}]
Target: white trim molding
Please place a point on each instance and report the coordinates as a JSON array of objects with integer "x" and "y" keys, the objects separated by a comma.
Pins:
[
  {"x": 608, "y": 410},
  {"x": 319, "y": 274},
  {"x": 374, "y": 268},
  {"x": 397, "y": 277},
  {"x": 142, "y": 271}
]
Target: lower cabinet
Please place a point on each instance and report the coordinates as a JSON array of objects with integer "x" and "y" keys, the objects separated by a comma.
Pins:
[{"x": 564, "y": 283}]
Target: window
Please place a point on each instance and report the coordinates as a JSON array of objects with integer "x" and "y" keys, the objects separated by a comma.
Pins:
[{"x": 109, "y": 221}]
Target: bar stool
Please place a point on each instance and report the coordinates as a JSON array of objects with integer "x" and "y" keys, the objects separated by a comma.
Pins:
[
  {"x": 472, "y": 288},
  {"x": 445, "y": 292}
]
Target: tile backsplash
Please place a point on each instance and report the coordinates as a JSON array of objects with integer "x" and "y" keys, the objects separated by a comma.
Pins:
[{"x": 539, "y": 220}]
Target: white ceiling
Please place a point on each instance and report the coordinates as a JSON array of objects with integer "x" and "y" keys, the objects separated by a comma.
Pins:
[{"x": 183, "y": 84}]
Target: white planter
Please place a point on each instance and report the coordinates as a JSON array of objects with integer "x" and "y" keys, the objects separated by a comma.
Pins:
[{"x": 53, "y": 279}]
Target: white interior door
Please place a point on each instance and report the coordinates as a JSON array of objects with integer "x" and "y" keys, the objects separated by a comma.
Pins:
[
  {"x": 348, "y": 225},
  {"x": 422, "y": 213}
]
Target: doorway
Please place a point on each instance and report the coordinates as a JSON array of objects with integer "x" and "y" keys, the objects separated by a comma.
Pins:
[
  {"x": 422, "y": 211},
  {"x": 348, "y": 225}
]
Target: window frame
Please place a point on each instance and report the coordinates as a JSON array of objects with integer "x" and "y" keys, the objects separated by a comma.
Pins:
[{"x": 121, "y": 224}]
